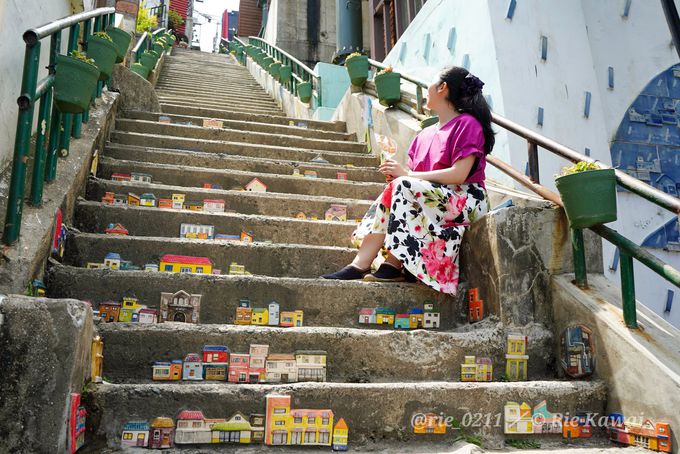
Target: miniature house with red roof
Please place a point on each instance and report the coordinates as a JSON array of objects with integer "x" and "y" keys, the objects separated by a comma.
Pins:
[
  {"x": 256, "y": 185},
  {"x": 116, "y": 229},
  {"x": 185, "y": 264},
  {"x": 192, "y": 428}
]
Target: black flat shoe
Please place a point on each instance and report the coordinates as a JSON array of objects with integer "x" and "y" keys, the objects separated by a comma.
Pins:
[
  {"x": 386, "y": 273},
  {"x": 348, "y": 273},
  {"x": 409, "y": 277}
]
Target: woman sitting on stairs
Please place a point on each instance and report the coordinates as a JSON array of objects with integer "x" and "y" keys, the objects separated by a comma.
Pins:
[{"x": 423, "y": 212}]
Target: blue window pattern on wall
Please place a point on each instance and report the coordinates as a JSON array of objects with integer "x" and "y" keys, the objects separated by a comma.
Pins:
[
  {"x": 665, "y": 237},
  {"x": 647, "y": 143}
]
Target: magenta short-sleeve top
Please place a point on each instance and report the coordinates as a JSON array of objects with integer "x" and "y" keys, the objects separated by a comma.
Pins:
[{"x": 439, "y": 148}]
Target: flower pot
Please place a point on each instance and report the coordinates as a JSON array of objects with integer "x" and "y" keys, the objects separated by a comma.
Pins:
[
  {"x": 267, "y": 62},
  {"x": 304, "y": 90},
  {"x": 159, "y": 47},
  {"x": 148, "y": 60},
  {"x": 388, "y": 86},
  {"x": 74, "y": 84},
  {"x": 140, "y": 69},
  {"x": 285, "y": 74},
  {"x": 357, "y": 68},
  {"x": 589, "y": 197},
  {"x": 104, "y": 53},
  {"x": 429, "y": 121},
  {"x": 121, "y": 39},
  {"x": 274, "y": 70}
]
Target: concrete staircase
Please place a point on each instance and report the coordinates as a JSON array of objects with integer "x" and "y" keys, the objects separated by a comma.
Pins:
[{"x": 377, "y": 378}]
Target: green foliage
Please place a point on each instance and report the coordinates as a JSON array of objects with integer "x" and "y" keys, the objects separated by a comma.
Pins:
[
  {"x": 353, "y": 55},
  {"x": 145, "y": 21},
  {"x": 81, "y": 56},
  {"x": 174, "y": 19},
  {"x": 580, "y": 166},
  {"x": 104, "y": 35},
  {"x": 385, "y": 71},
  {"x": 523, "y": 444}
]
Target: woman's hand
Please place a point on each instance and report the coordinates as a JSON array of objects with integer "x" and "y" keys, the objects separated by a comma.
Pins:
[{"x": 393, "y": 169}]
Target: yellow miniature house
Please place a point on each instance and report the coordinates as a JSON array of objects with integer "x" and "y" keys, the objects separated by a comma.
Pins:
[
  {"x": 185, "y": 264},
  {"x": 429, "y": 423},
  {"x": 260, "y": 316},
  {"x": 516, "y": 358},
  {"x": 340, "y": 435},
  {"x": 235, "y": 429},
  {"x": 476, "y": 369},
  {"x": 518, "y": 418},
  {"x": 286, "y": 426},
  {"x": 178, "y": 201},
  {"x": 133, "y": 200},
  {"x": 128, "y": 308}
]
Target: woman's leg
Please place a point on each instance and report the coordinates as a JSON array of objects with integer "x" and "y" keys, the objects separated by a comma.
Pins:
[{"x": 369, "y": 250}]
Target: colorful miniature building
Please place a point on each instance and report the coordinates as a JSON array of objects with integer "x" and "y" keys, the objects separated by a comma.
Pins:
[
  {"x": 518, "y": 418},
  {"x": 416, "y": 318},
  {"x": 193, "y": 206},
  {"x": 147, "y": 200},
  {"x": 311, "y": 365},
  {"x": 286, "y": 426},
  {"x": 475, "y": 306},
  {"x": 274, "y": 314},
  {"x": 178, "y": 201},
  {"x": 301, "y": 215},
  {"x": 128, "y": 309},
  {"x": 244, "y": 316},
  {"x": 341, "y": 175},
  {"x": 340, "y": 436},
  {"x": 167, "y": 370},
  {"x": 649, "y": 435},
  {"x": 367, "y": 316},
  {"x": 192, "y": 428},
  {"x": 402, "y": 321},
  {"x": 225, "y": 237},
  {"x": 546, "y": 422},
  {"x": 151, "y": 267},
  {"x": 76, "y": 424},
  {"x": 256, "y": 185},
  {"x": 310, "y": 174},
  {"x": 138, "y": 176},
  {"x": 429, "y": 423},
  {"x": 246, "y": 237},
  {"x": 260, "y": 316},
  {"x": 213, "y": 205},
  {"x": 577, "y": 351},
  {"x": 476, "y": 369},
  {"x": 239, "y": 368},
  {"x": 192, "y": 368},
  {"x": 116, "y": 229},
  {"x": 180, "y": 307},
  {"x": 120, "y": 199},
  {"x": 236, "y": 269},
  {"x": 148, "y": 316},
  {"x": 516, "y": 358},
  {"x": 212, "y": 123},
  {"x": 37, "y": 288},
  {"x": 109, "y": 311},
  {"x": 336, "y": 213},
  {"x": 120, "y": 177},
  {"x": 215, "y": 362},
  {"x": 112, "y": 261},
  {"x": 291, "y": 319},
  {"x": 385, "y": 315},
  {"x": 236, "y": 429},
  {"x": 281, "y": 368},
  {"x": 165, "y": 203},
  {"x": 135, "y": 433},
  {"x": 258, "y": 362},
  {"x": 134, "y": 200},
  {"x": 257, "y": 424},
  {"x": 577, "y": 427},
  {"x": 185, "y": 264},
  {"x": 162, "y": 433},
  {"x": 432, "y": 316},
  {"x": 108, "y": 198},
  {"x": 198, "y": 231}
]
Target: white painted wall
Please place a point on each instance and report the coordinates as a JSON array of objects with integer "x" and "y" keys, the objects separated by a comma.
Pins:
[{"x": 584, "y": 38}]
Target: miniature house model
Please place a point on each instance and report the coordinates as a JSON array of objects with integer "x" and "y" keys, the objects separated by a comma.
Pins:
[
  {"x": 258, "y": 362},
  {"x": 286, "y": 426},
  {"x": 180, "y": 307},
  {"x": 256, "y": 185},
  {"x": 516, "y": 358},
  {"x": 518, "y": 418}
]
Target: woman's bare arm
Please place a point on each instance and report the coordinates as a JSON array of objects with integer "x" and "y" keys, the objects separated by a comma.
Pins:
[{"x": 457, "y": 174}]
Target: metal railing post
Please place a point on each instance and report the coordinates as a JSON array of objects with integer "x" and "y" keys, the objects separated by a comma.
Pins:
[
  {"x": 15, "y": 199},
  {"x": 579, "y": 250},
  {"x": 532, "y": 150},
  {"x": 38, "y": 177},
  {"x": 55, "y": 121},
  {"x": 628, "y": 290}
]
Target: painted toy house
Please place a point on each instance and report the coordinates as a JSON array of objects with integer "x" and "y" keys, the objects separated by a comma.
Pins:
[
  {"x": 120, "y": 199},
  {"x": 213, "y": 123},
  {"x": 171, "y": 263},
  {"x": 135, "y": 433},
  {"x": 134, "y": 200},
  {"x": 197, "y": 231},
  {"x": 281, "y": 368},
  {"x": 341, "y": 175},
  {"x": 109, "y": 311},
  {"x": 236, "y": 269},
  {"x": 545, "y": 421},
  {"x": 516, "y": 358},
  {"x": 142, "y": 177},
  {"x": 476, "y": 369},
  {"x": 274, "y": 313},
  {"x": 120, "y": 177},
  {"x": 402, "y": 321},
  {"x": 162, "y": 433},
  {"x": 475, "y": 306},
  {"x": 128, "y": 309},
  {"x": 416, "y": 318},
  {"x": 178, "y": 201},
  {"x": 246, "y": 237},
  {"x": 367, "y": 316},
  {"x": 244, "y": 316},
  {"x": 165, "y": 203},
  {"x": 577, "y": 427},
  {"x": 429, "y": 423},
  {"x": 577, "y": 351},
  {"x": 257, "y": 423},
  {"x": 192, "y": 368},
  {"x": 116, "y": 229},
  {"x": 310, "y": 174},
  {"x": 192, "y": 205},
  {"x": 192, "y": 428},
  {"x": 336, "y": 213},
  {"x": 151, "y": 267},
  {"x": 147, "y": 200},
  {"x": 286, "y": 426},
  {"x": 180, "y": 307},
  {"x": 148, "y": 316},
  {"x": 518, "y": 418},
  {"x": 340, "y": 435},
  {"x": 215, "y": 362},
  {"x": 108, "y": 198},
  {"x": 112, "y": 261},
  {"x": 76, "y": 423},
  {"x": 432, "y": 316},
  {"x": 260, "y": 316},
  {"x": 385, "y": 315},
  {"x": 213, "y": 205},
  {"x": 239, "y": 368},
  {"x": 258, "y": 362},
  {"x": 291, "y": 319},
  {"x": 649, "y": 435},
  {"x": 236, "y": 429},
  {"x": 167, "y": 370},
  {"x": 311, "y": 365},
  {"x": 256, "y": 185}
]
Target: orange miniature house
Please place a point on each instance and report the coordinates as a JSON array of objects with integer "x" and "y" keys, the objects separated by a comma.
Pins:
[
  {"x": 475, "y": 306},
  {"x": 256, "y": 185},
  {"x": 429, "y": 423}
]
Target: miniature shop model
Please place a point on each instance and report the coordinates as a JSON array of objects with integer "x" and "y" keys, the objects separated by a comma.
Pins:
[
  {"x": 236, "y": 269},
  {"x": 258, "y": 366},
  {"x": 476, "y": 369},
  {"x": 516, "y": 358},
  {"x": 523, "y": 419},
  {"x": 130, "y": 310},
  {"x": 475, "y": 306},
  {"x": 429, "y": 423},
  {"x": 270, "y": 316},
  {"x": 341, "y": 175},
  {"x": 197, "y": 231},
  {"x": 415, "y": 318},
  {"x": 76, "y": 424},
  {"x": 255, "y": 185},
  {"x": 171, "y": 263},
  {"x": 336, "y": 213},
  {"x": 577, "y": 351},
  {"x": 287, "y": 426},
  {"x": 180, "y": 306},
  {"x": 655, "y": 436},
  {"x": 212, "y": 123}
]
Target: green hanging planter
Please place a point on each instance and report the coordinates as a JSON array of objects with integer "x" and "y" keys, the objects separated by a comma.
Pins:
[
  {"x": 274, "y": 69},
  {"x": 104, "y": 53},
  {"x": 159, "y": 47},
  {"x": 121, "y": 39},
  {"x": 429, "y": 121},
  {"x": 589, "y": 197},
  {"x": 357, "y": 68},
  {"x": 74, "y": 84},
  {"x": 285, "y": 74},
  {"x": 304, "y": 90},
  {"x": 267, "y": 62},
  {"x": 140, "y": 69},
  {"x": 148, "y": 60},
  {"x": 388, "y": 86}
]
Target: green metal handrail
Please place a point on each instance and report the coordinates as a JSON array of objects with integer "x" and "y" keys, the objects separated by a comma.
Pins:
[
  {"x": 301, "y": 72},
  {"x": 143, "y": 44},
  {"x": 61, "y": 126},
  {"x": 628, "y": 250}
]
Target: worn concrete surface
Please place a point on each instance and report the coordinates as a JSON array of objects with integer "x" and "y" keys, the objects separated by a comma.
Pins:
[
  {"x": 325, "y": 303},
  {"x": 44, "y": 356},
  {"x": 25, "y": 260},
  {"x": 136, "y": 93},
  {"x": 189, "y": 101},
  {"x": 374, "y": 412},
  {"x": 242, "y": 149},
  {"x": 641, "y": 367},
  {"x": 184, "y": 175}
]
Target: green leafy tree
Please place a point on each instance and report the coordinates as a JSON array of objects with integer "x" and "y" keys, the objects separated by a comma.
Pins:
[
  {"x": 145, "y": 21},
  {"x": 174, "y": 19}
]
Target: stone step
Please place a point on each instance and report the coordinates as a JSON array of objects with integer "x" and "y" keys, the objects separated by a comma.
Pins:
[
  {"x": 242, "y": 100},
  {"x": 243, "y": 149},
  {"x": 231, "y": 75},
  {"x": 267, "y": 203},
  {"x": 229, "y": 135},
  {"x": 222, "y": 88},
  {"x": 221, "y": 105},
  {"x": 319, "y": 298},
  {"x": 248, "y": 126},
  {"x": 222, "y": 161},
  {"x": 375, "y": 411},
  {"x": 353, "y": 355},
  {"x": 334, "y": 126},
  {"x": 159, "y": 222}
]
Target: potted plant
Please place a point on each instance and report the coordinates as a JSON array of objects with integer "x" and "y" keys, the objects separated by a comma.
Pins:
[
  {"x": 148, "y": 59},
  {"x": 140, "y": 69},
  {"x": 304, "y": 90},
  {"x": 121, "y": 39},
  {"x": 388, "y": 86},
  {"x": 74, "y": 82},
  {"x": 285, "y": 74},
  {"x": 588, "y": 193},
  {"x": 357, "y": 68},
  {"x": 267, "y": 62},
  {"x": 274, "y": 70},
  {"x": 103, "y": 51},
  {"x": 159, "y": 46}
]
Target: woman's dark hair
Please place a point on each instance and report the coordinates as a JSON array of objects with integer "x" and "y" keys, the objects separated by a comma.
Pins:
[{"x": 465, "y": 92}]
